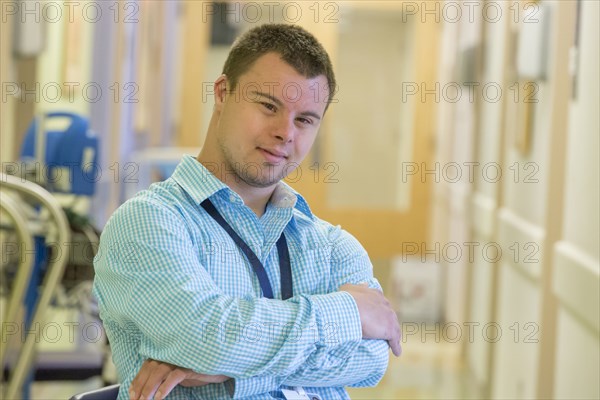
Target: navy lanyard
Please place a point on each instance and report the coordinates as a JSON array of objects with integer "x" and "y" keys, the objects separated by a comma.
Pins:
[{"x": 285, "y": 267}]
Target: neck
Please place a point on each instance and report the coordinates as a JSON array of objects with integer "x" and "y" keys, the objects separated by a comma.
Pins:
[{"x": 256, "y": 198}]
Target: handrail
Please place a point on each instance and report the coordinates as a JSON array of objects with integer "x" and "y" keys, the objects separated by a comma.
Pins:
[
  {"x": 10, "y": 206},
  {"x": 52, "y": 277}
]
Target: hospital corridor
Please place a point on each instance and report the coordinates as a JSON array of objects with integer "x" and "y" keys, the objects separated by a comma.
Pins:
[{"x": 452, "y": 163}]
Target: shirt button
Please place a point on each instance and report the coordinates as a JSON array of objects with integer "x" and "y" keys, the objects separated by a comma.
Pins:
[{"x": 232, "y": 198}]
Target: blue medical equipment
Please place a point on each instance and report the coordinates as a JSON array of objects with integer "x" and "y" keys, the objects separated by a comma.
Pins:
[{"x": 64, "y": 161}]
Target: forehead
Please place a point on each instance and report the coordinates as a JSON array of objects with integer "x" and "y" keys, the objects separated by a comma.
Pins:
[{"x": 270, "y": 74}]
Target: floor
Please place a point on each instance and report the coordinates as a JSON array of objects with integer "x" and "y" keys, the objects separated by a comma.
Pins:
[{"x": 426, "y": 370}]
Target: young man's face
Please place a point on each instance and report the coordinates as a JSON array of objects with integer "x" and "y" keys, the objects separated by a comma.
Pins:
[{"x": 268, "y": 125}]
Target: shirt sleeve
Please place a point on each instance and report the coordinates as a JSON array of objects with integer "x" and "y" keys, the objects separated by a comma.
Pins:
[
  {"x": 324, "y": 368},
  {"x": 148, "y": 277},
  {"x": 362, "y": 365}
]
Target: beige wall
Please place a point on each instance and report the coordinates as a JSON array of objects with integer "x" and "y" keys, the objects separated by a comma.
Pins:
[
  {"x": 51, "y": 68},
  {"x": 543, "y": 213},
  {"x": 45, "y": 89},
  {"x": 485, "y": 200},
  {"x": 576, "y": 255},
  {"x": 543, "y": 291},
  {"x": 7, "y": 74}
]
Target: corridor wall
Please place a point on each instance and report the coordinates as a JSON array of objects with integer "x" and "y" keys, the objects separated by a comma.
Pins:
[
  {"x": 576, "y": 259},
  {"x": 529, "y": 210}
]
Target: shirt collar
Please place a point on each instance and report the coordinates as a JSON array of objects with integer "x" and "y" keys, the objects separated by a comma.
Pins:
[
  {"x": 200, "y": 184},
  {"x": 285, "y": 191}
]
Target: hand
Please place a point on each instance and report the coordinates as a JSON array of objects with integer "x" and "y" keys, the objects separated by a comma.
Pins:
[
  {"x": 378, "y": 319},
  {"x": 157, "y": 378}
]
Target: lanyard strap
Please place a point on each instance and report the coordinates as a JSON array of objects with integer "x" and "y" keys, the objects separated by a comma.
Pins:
[{"x": 282, "y": 250}]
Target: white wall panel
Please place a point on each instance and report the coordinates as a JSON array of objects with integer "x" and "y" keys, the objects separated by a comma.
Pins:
[
  {"x": 576, "y": 275},
  {"x": 578, "y": 365},
  {"x": 484, "y": 202},
  {"x": 516, "y": 360},
  {"x": 583, "y": 179},
  {"x": 478, "y": 352},
  {"x": 576, "y": 283},
  {"x": 522, "y": 243}
]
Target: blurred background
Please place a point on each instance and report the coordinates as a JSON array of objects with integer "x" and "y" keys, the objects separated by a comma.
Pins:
[{"x": 461, "y": 150}]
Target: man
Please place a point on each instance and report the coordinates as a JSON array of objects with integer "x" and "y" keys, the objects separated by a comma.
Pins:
[{"x": 220, "y": 282}]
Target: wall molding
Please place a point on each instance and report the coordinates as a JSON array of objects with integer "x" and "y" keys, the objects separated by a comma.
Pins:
[
  {"x": 459, "y": 198},
  {"x": 576, "y": 282},
  {"x": 522, "y": 243},
  {"x": 483, "y": 214}
]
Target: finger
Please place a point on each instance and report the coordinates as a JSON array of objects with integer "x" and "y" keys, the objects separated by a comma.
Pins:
[
  {"x": 216, "y": 378},
  {"x": 140, "y": 379},
  {"x": 171, "y": 380},
  {"x": 395, "y": 346},
  {"x": 203, "y": 379},
  {"x": 193, "y": 382},
  {"x": 158, "y": 375}
]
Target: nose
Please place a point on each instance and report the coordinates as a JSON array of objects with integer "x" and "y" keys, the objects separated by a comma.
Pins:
[{"x": 285, "y": 130}]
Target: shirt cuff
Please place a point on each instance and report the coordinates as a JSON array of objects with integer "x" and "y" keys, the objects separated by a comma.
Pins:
[
  {"x": 338, "y": 319},
  {"x": 245, "y": 387}
]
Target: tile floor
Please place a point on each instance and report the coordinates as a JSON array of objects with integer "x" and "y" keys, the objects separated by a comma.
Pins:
[{"x": 426, "y": 370}]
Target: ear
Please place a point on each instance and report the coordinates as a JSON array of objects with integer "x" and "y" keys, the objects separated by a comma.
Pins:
[{"x": 220, "y": 90}]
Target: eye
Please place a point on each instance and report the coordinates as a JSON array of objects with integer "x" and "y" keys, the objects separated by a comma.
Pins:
[
  {"x": 269, "y": 106},
  {"x": 304, "y": 121}
]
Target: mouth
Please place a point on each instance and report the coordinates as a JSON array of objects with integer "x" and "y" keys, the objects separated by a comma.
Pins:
[{"x": 272, "y": 155}]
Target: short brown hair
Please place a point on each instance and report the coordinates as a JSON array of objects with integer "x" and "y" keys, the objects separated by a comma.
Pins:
[{"x": 294, "y": 44}]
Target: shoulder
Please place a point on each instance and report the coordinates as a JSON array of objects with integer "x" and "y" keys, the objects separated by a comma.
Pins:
[
  {"x": 161, "y": 203},
  {"x": 323, "y": 233}
]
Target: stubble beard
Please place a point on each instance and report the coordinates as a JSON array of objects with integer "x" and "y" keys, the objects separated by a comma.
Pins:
[{"x": 260, "y": 175}]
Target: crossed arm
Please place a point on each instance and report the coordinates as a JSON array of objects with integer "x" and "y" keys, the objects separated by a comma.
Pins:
[
  {"x": 362, "y": 366},
  {"x": 192, "y": 309}
]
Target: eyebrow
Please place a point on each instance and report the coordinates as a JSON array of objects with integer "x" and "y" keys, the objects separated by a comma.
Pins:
[{"x": 280, "y": 104}]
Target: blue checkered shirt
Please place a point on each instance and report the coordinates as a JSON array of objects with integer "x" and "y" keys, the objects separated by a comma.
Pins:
[{"x": 172, "y": 286}]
